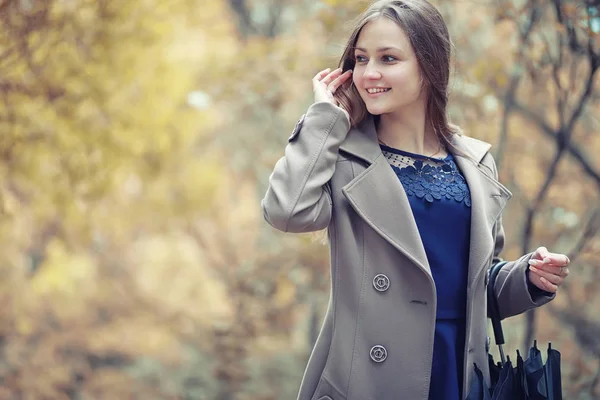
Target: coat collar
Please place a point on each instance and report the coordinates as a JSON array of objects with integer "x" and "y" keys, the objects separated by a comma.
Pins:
[
  {"x": 362, "y": 142},
  {"x": 378, "y": 187}
]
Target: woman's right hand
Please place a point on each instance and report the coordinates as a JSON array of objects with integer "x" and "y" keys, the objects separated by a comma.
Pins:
[{"x": 326, "y": 82}]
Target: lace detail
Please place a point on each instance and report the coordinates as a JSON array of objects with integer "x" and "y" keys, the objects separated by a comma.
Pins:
[{"x": 429, "y": 178}]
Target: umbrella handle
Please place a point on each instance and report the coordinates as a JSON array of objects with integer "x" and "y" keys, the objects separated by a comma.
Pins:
[
  {"x": 502, "y": 355},
  {"x": 494, "y": 309}
]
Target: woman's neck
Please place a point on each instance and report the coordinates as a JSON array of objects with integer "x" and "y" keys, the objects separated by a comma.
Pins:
[{"x": 412, "y": 134}]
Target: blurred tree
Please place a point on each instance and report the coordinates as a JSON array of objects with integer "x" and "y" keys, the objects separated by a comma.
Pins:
[{"x": 95, "y": 126}]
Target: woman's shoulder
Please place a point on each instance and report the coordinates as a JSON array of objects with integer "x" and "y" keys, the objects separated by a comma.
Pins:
[
  {"x": 473, "y": 147},
  {"x": 361, "y": 141}
]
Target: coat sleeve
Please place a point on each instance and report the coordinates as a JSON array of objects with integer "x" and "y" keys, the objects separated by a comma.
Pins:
[
  {"x": 512, "y": 288},
  {"x": 298, "y": 198}
]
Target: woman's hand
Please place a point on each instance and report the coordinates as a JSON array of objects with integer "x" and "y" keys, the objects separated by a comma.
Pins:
[
  {"x": 326, "y": 82},
  {"x": 548, "y": 270}
]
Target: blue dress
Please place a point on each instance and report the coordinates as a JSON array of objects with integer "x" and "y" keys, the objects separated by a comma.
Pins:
[{"x": 441, "y": 204}]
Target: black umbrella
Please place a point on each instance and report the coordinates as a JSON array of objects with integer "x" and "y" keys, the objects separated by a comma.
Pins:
[
  {"x": 479, "y": 390},
  {"x": 521, "y": 375},
  {"x": 534, "y": 374},
  {"x": 530, "y": 379},
  {"x": 506, "y": 387},
  {"x": 552, "y": 374}
]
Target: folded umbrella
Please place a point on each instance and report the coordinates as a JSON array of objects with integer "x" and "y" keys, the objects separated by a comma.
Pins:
[
  {"x": 521, "y": 376},
  {"x": 495, "y": 369},
  {"x": 552, "y": 374},
  {"x": 507, "y": 386},
  {"x": 530, "y": 379},
  {"x": 479, "y": 390},
  {"x": 534, "y": 374}
]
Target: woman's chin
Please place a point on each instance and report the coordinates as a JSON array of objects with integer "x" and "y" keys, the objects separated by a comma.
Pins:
[{"x": 375, "y": 110}]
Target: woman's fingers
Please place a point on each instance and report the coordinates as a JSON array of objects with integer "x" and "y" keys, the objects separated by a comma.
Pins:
[
  {"x": 326, "y": 82},
  {"x": 321, "y": 74},
  {"x": 553, "y": 269},
  {"x": 331, "y": 76},
  {"x": 339, "y": 81},
  {"x": 560, "y": 271},
  {"x": 548, "y": 270},
  {"x": 543, "y": 254},
  {"x": 542, "y": 283},
  {"x": 548, "y": 286},
  {"x": 559, "y": 260},
  {"x": 553, "y": 278}
]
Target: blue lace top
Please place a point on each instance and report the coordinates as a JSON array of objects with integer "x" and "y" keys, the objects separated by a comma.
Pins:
[
  {"x": 441, "y": 204},
  {"x": 427, "y": 177}
]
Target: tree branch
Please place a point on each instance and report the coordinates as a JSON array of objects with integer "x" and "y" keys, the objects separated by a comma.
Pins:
[
  {"x": 241, "y": 10},
  {"x": 575, "y": 151},
  {"x": 509, "y": 97},
  {"x": 591, "y": 230},
  {"x": 276, "y": 10}
]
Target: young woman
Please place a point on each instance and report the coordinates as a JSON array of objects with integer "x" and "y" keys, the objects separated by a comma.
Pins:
[{"x": 412, "y": 209}]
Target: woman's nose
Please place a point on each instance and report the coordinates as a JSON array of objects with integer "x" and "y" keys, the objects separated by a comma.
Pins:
[{"x": 371, "y": 72}]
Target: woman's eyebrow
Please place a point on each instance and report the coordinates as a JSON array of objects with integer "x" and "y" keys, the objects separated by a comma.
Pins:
[{"x": 379, "y": 49}]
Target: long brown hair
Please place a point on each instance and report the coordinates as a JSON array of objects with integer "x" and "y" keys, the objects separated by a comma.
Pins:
[{"x": 428, "y": 35}]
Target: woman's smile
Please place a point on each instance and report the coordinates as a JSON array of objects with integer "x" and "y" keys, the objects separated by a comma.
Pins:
[{"x": 376, "y": 92}]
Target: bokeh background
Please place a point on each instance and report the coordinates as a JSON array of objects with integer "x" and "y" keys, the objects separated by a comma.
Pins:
[{"x": 136, "y": 141}]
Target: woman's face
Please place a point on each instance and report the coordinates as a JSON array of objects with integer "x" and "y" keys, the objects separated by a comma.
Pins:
[{"x": 386, "y": 73}]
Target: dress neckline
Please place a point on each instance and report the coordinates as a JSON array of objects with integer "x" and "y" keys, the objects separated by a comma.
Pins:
[{"x": 413, "y": 155}]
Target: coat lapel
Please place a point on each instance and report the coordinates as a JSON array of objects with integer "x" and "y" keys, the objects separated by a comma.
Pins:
[
  {"x": 488, "y": 199},
  {"x": 378, "y": 197}
]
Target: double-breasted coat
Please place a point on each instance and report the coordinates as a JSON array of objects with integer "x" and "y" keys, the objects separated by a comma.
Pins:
[{"x": 376, "y": 342}]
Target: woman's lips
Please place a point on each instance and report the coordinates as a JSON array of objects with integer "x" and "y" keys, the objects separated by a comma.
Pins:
[{"x": 378, "y": 92}]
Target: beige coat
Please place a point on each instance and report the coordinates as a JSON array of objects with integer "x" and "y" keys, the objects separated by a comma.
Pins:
[{"x": 376, "y": 342}]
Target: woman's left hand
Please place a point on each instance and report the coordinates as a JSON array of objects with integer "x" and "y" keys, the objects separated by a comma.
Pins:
[{"x": 548, "y": 270}]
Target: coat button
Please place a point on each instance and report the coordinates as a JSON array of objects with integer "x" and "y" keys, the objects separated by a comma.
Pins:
[
  {"x": 381, "y": 283},
  {"x": 297, "y": 128},
  {"x": 378, "y": 353}
]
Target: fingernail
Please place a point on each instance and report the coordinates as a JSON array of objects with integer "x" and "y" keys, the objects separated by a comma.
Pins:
[
  {"x": 546, "y": 260},
  {"x": 534, "y": 269},
  {"x": 533, "y": 262}
]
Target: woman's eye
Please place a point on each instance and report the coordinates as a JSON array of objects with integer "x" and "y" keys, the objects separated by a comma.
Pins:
[
  {"x": 389, "y": 58},
  {"x": 360, "y": 59}
]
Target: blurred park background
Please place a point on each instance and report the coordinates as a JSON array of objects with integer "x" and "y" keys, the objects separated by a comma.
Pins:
[{"x": 136, "y": 141}]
